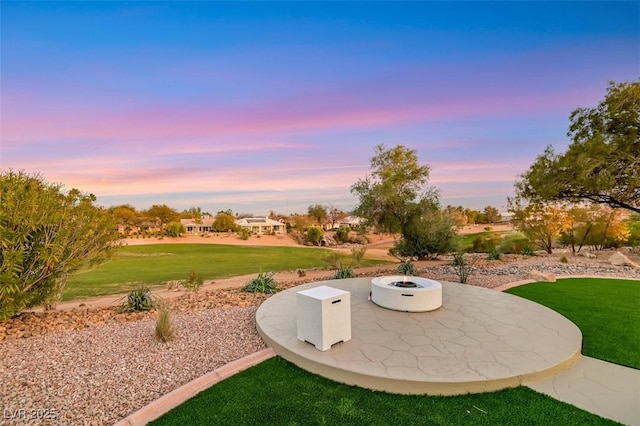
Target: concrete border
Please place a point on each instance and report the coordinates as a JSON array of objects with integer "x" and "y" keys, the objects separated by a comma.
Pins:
[{"x": 178, "y": 396}]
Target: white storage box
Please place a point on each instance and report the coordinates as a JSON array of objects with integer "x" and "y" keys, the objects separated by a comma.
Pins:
[{"x": 324, "y": 316}]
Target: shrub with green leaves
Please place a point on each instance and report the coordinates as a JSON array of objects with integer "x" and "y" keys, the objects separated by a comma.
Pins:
[
  {"x": 139, "y": 300},
  {"x": 263, "y": 283},
  {"x": 46, "y": 234},
  {"x": 343, "y": 272},
  {"x": 342, "y": 234},
  {"x": 484, "y": 243},
  {"x": 193, "y": 282},
  {"x": 164, "y": 331},
  {"x": 314, "y": 235},
  {"x": 407, "y": 268},
  {"x": 494, "y": 254},
  {"x": 528, "y": 251},
  {"x": 515, "y": 243},
  {"x": 244, "y": 234}
]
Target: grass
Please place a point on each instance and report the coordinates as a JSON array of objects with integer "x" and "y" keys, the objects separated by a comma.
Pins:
[
  {"x": 155, "y": 264},
  {"x": 607, "y": 311},
  {"x": 277, "y": 392}
]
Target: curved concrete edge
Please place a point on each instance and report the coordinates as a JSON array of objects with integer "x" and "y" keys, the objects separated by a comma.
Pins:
[
  {"x": 507, "y": 286},
  {"x": 178, "y": 396}
]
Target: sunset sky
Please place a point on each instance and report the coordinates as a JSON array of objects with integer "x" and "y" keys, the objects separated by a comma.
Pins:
[{"x": 259, "y": 106}]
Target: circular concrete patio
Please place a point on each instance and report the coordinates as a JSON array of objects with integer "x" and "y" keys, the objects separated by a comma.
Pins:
[{"x": 479, "y": 340}]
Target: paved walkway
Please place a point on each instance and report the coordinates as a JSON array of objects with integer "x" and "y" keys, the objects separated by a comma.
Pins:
[{"x": 479, "y": 340}]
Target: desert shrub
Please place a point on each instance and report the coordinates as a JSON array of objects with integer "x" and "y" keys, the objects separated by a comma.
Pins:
[
  {"x": 407, "y": 268},
  {"x": 484, "y": 243},
  {"x": 164, "y": 331},
  {"x": 515, "y": 243},
  {"x": 139, "y": 300},
  {"x": 528, "y": 251},
  {"x": 563, "y": 259},
  {"x": 314, "y": 235},
  {"x": 46, "y": 234},
  {"x": 463, "y": 266},
  {"x": 263, "y": 283},
  {"x": 193, "y": 282},
  {"x": 342, "y": 234},
  {"x": 488, "y": 228},
  {"x": 244, "y": 234},
  {"x": 343, "y": 272},
  {"x": 357, "y": 254},
  {"x": 494, "y": 254}
]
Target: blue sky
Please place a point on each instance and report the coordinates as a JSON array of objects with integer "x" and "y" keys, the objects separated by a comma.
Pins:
[{"x": 259, "y": 106}]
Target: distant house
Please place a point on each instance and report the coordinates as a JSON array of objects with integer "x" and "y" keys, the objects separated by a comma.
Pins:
[
  {"x": 351, "y": 221},
  {"x": 194, "y": 228},
  {"x": 262, "y": 225}
]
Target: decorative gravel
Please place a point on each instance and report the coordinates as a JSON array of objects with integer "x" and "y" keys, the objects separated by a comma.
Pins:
[{"x": 100, "y": 374}]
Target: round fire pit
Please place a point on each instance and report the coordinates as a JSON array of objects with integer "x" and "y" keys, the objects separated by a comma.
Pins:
[{"x": 407, "y": 294}]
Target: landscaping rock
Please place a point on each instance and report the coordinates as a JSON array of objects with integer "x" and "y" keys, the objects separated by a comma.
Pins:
[
  {"x": 541, "y": 276},
  {"x": 619, "y": 259}
]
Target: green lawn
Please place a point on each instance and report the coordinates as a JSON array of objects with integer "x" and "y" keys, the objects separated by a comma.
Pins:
[
  {"x": 276, "y": 392},
  {"x": 607, "y": 312},
  {"x": 156, "y": 263}
]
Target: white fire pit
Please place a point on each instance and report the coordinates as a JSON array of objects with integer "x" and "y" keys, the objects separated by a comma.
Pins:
[{"x": 407, "y": 294}]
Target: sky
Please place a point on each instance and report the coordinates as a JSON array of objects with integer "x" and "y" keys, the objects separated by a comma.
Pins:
[{"x": 274, "y": 106}]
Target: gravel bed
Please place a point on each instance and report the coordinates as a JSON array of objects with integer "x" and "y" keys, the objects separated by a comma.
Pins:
[{"x": 101, "y": 374}]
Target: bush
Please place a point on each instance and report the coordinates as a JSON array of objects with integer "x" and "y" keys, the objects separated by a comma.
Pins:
[
  {"x": 244, "y": 234},
  {"x": 193, "y": 282},
  {"x": 164, "y": 325},
  {"x": 407, "y": 268},
  {"x": 263, "y": 283},
  {"x": 314, "y": 235},
  {"x": 494, "y": 254},
  {"x": 484, "y": 243},
  {"x": 515, "y": 243},
  {"x": 564, "y": 259},
  {"x": 342, "y": 234},
  {"x": 463, "y": 268},
  {"x": 46, "y": 234},
  {"x": 343, "y": 272},
  {"x": 528, "y": 251},
  {"x": 139, "y": 300}
]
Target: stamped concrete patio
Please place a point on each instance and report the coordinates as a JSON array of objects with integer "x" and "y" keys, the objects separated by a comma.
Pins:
[{"x": 479, "y": 340}]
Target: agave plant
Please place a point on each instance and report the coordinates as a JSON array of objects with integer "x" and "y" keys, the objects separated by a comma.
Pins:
[
  {"x": 263, "y": 283},
  {"x": 139, "y": 300}
]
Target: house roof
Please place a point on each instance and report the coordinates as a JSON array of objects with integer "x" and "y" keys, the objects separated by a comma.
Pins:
[{"x": 246, "y": 221}]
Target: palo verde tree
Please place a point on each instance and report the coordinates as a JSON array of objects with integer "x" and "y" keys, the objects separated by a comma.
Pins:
[
  {"x": 387, "y": 196},
  {"x": 602, "y": 164},
  {"x": 396, "y": 198},
  {"x": 45, "y": 235}
]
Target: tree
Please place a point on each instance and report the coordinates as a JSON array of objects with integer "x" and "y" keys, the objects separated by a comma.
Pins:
[
  {"x": 225, "y": 221},
  {"x": 175, "y": 229},
  {"x": 318, "y": 212},
  {"x": 602, "y": 164},
  {"x": 397, "y": 182},
  {"x": 541, "y": 223},
  {"x": 491, "y": 214},
  {"x": 45, "y": 235},
  {"x": 125, "y": 215},
  {"x": 162, "y": 214}
]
